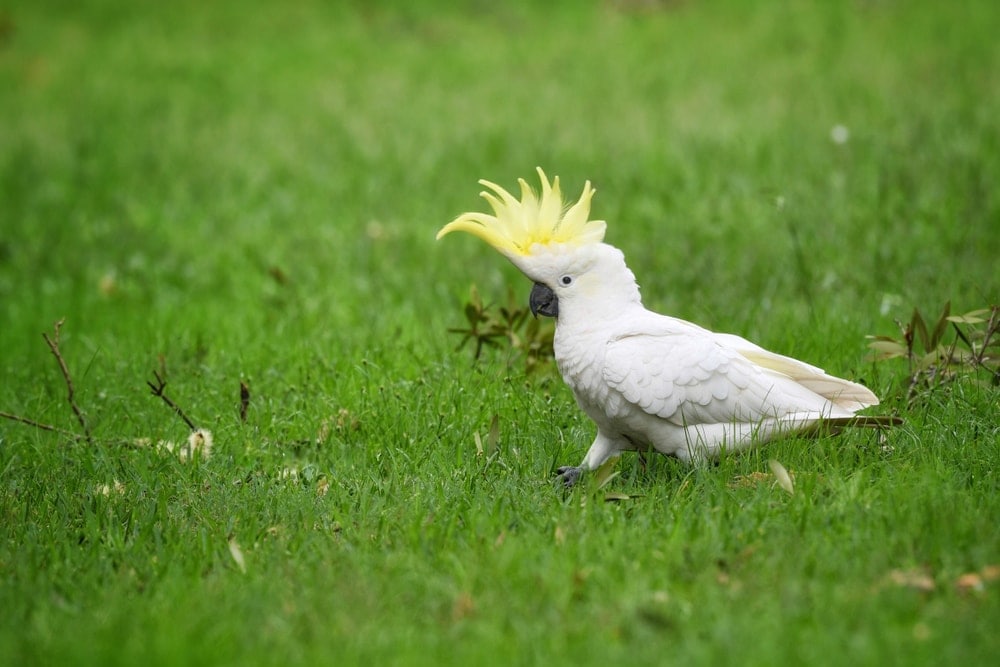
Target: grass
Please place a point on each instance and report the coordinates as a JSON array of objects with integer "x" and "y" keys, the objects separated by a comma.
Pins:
[{"x": 228, "y": 195}]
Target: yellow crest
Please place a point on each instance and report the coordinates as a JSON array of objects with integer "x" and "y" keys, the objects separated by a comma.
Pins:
[{"x": 516, "y": 226}]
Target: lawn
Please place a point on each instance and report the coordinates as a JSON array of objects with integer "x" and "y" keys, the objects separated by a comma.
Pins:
[{"x": 240, "y": 200}]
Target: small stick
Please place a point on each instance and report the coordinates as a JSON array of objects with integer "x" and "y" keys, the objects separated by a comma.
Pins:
[
  {"x": 244, "y": 400},
  {"x": 53, "y": 344},
  {"x": 158, "y": 388},
  {"x": 44, "y": 427}
]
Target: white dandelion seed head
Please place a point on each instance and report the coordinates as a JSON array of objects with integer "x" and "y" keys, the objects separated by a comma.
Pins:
[{"x": 200, "y": 442}]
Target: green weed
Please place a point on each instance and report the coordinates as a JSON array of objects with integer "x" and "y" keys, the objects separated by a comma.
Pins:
[
  {"x": 932, "y": 359},
  {"x": 511, "y": 323}
]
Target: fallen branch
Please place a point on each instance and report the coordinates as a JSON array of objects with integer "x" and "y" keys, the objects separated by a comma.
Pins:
[
  {"x": 40, "y": 425},
  {"x": 158, "y": 388},
  {"x": 53, "y": 344}
]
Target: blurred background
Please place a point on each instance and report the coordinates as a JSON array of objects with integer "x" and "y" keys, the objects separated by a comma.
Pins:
[{"x": 222, "y": 182}]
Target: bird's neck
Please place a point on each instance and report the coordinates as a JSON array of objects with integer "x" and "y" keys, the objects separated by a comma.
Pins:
[{"x": 605, "y": 304}]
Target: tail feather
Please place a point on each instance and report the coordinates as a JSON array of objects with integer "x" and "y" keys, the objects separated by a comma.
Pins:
[
  {"x": 834, "y": 425},
  {"x": 864, "y": 421},
  {"x": 845, "y": 394}
]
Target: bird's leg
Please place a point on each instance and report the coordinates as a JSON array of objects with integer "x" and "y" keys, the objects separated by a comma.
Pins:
[
  {"x": 599, "y": 452},
  {"x": 569, "y": 475}
]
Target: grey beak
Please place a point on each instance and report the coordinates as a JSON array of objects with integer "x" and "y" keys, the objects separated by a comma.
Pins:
[{"x": 543, "y": 301}]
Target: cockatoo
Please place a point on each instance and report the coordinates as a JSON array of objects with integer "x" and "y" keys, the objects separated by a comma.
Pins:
[{"x": 649, "y": 381}]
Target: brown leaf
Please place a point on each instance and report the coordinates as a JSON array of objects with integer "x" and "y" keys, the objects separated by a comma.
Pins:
[
  {"x": 887, "y": 349},
  {"x": 916, "y": 579},
  {"x": 970, "y": 581},
  {"x": 976, "y": 581},
  {"x": 244, "y": 400},
  {"x": 753, "y": 479},
  {"x": 463, "y": 606}
]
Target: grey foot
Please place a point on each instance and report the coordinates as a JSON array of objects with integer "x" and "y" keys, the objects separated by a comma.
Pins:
[{"x": 569, "y": 475}]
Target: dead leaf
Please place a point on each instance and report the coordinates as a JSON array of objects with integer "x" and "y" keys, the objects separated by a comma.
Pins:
[
  {"x": 970, "y": 581},
  {"x": 753, "y": 479},
  {"x": 917, "y": 579},
  {"x": 463, "y": 606},
  {"x": 782, "y": 476},
  {"x": 115, "y": 487},
  {"x": 237, "y": 554},
  {"x": 278, "y": 275},
  {"x": 976, "y": 581}
]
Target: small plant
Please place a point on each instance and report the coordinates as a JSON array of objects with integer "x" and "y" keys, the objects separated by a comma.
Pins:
[
  {"x": 489, "y": 325},
  {"x": 932, "y": 359}
]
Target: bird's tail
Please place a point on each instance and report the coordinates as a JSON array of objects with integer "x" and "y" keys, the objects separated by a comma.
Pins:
[
  {"x": 844, "y": 394},
  {"x": 866, "y": 421},
  {"x": 834, "y": 425}
]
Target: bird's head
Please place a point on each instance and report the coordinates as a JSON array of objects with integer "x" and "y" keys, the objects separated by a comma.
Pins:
[{"x": 555, "y": 245}]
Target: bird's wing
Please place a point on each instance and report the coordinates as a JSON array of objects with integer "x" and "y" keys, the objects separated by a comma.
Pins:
[
  {"x": 842, "y": 393},
  {"x": 682, "y": 373}
]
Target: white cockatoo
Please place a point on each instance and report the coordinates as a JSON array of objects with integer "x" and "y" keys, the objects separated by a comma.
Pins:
[{"x": 649, "y": 381}]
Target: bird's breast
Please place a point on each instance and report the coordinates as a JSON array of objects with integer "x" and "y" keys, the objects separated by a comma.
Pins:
[{"x": 580, "y": 357}]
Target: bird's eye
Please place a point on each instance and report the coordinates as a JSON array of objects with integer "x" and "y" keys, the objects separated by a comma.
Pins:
[{"x": 566, "y": 280}]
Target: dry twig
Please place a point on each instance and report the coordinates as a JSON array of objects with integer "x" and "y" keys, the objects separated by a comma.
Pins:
[
  {"x": 244, "y": 400},
  {"x": 53, "y": 344},
  {"x": 158, "y": 388},
  {"x": 44, "y": 427}
]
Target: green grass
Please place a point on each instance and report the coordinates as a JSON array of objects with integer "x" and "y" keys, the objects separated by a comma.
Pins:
[{"x": 236, "y": 194}]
